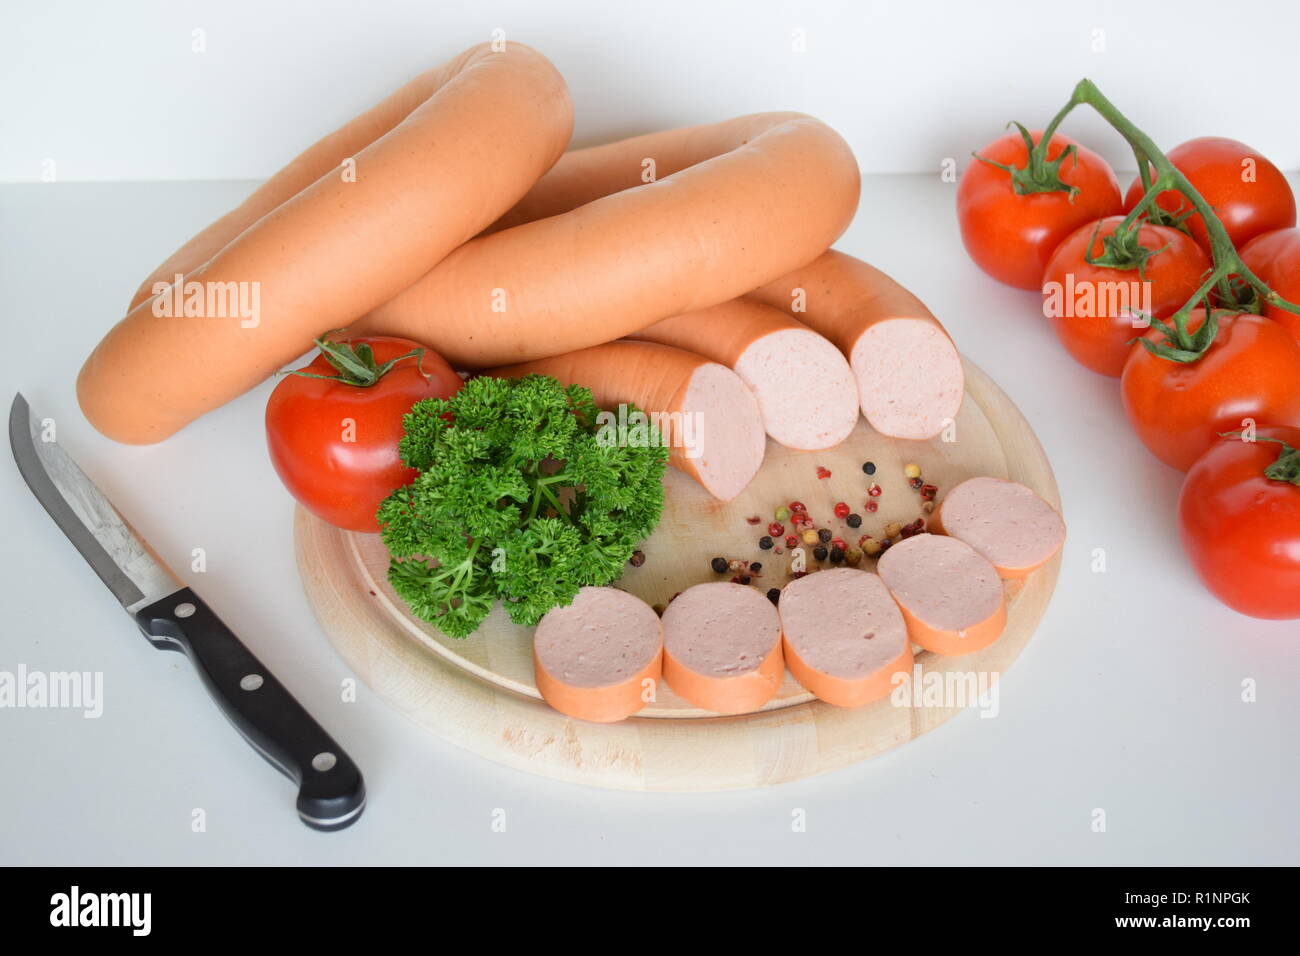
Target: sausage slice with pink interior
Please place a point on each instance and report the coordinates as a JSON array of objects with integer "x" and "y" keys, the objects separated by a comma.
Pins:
[
  {"x": 722, "y": 647},
  {"x": 845, "y": 638},
  {"x": 910, "y": 376},
  {"x": 708, "y": 415},
  {"x": 805, "y": 389},
  {"x": 951, "y": 597},
  {"x": 600, "y": 657},
  {"x": 1014, "y": 529}
]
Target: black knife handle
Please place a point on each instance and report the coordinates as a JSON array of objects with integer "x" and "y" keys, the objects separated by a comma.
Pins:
[{"x": 331, "y": 793}]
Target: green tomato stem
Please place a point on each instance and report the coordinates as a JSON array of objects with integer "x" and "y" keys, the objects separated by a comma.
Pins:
[
  {"x": 1183, "y": 346},
  {"x": 1286, "y": 467}
]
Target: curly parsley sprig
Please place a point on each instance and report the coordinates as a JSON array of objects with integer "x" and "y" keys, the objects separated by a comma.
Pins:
[{"x": 517, "y": 500}]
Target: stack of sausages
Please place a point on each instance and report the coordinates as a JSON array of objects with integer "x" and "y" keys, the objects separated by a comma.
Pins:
[{"x": 688, "y": 272}]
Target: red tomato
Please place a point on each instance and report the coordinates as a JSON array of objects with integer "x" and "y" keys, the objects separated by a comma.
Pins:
[
  {"x": 334, "y": 445},
  {"x": 1093, "y": 307},
  {"x": 1251, "y": 370},
  {"x": 1248, "y": 193},
  {"x": 1275, "y": 258},
  {"x": 1241, "y": 529},
  {"x": 1010, "y": 236}
]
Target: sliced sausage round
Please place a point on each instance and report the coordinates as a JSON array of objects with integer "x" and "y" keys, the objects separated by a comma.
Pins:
[
  {"x": 845, "y": 638},
  {"x": 1012, "y": 527},
  {"x": 950, "y": 596},
  {"x": 600, "y": 657},
  {"x": 722, "y": 647}
]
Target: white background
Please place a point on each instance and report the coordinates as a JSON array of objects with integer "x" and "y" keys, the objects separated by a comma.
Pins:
[
  {"x": 113, "y": 91},
  {"x": 1127, "y": 699}
]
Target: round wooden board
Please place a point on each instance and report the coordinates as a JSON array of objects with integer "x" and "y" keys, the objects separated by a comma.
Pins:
[{"x": 479, "y": 692}]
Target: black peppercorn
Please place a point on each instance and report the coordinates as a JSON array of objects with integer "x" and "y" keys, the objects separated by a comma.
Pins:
[
  {"x": 756, "y": 566},
  {"x": 836, "y": 555},
  {"x": 869, "y": 468},
  {"x": 819, "y": 553},
  {"x": 854, "y": 520},
  {"x": 765, "y": 543},
  {"x": 824, "y": 535},
  {"x": 719, "y": 565}
]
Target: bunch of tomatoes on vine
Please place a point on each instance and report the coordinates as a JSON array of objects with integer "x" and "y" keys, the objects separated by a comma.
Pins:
[{"x": 1186, "y": 288}]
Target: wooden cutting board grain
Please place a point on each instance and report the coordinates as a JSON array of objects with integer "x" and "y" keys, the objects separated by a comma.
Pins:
[{"x": 479, "y": 692}]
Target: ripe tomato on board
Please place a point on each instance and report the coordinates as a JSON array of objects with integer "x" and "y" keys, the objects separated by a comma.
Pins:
[
  {"x": 1178, "y": 409},
  {"x": 1009, "y": 234},
  {"x": 334, "y": 444},
  {"x": 1248, "y": 193},
  {"x": 1275, "y": 258},
  {"x": 1241, "y": 528},
  {"x": 1092, "y": 306}
]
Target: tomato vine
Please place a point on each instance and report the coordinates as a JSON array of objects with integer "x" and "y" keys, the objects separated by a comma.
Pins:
[{"x": 1237, "y": 285}]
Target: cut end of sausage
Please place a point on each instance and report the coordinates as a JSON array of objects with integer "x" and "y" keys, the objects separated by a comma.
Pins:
[
  {"x": 910, "y": 379},
  {"x": 721, "y": 434},
  {"x": 805, "y": 389},
  {"x": 1008, "y": 524},
  {"x": 845, "y": 638},
  {"x": 596, "y": 658},
  {"x": 950, "y": 596},
  {"x": 722, "y": 647}
]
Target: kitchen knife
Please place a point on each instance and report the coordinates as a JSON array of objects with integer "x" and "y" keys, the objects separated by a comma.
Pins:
[{"x": 331, "y": 793}]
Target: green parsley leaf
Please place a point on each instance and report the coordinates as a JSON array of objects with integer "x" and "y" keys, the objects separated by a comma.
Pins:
[{"x": 516, "y": 501}]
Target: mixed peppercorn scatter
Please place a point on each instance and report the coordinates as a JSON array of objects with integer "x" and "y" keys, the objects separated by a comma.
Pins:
[{"x": 792, "y": 526}]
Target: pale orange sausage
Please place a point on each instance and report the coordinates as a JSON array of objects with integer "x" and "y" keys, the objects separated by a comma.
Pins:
[
  {"x": 951, "y": 597},
  {"x": 1008, "y": 524},
  {"x": 454, "y": 150},
  {"x": 320, "y": 159},
  {"x": 845, "y": 638},
  {"x": 709, "y": 417},
  {"x": 600, "y": 657},
  {"x": 804, "y": 386},
  {"x": 722, "y": 647},
  {"x": 909, "y": 374},
  {"x": 734, "y": 205}
]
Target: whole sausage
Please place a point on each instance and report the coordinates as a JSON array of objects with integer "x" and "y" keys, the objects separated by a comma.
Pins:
[
  {"x": 704, "y": 411},
  {"x": 311, "y": 250},
  {"x": 910, "y": 378},
  {"x": 733, "y": 205}
]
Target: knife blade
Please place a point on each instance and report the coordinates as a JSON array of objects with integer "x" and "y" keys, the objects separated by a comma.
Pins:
[{"x": 331, "y": 791}]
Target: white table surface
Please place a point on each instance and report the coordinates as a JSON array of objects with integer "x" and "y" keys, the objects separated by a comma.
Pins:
[{"x": 1127, "y": 699}]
